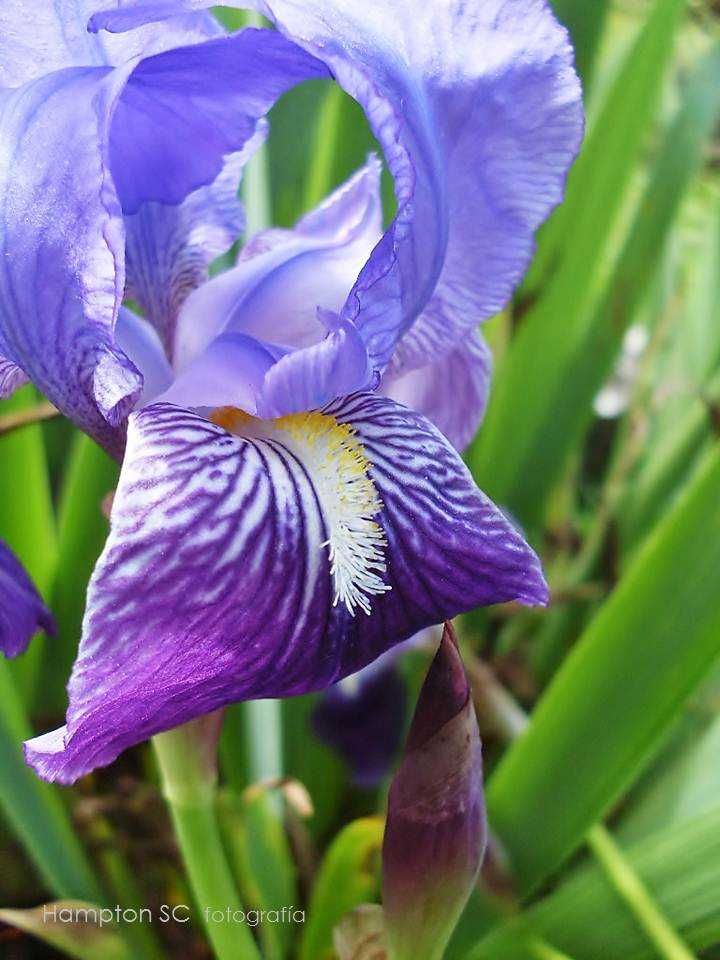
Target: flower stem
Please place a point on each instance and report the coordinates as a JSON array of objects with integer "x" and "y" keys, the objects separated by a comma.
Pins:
[
  {"x": 633, "y": 891},
  {"x": 187, "y": 761}
]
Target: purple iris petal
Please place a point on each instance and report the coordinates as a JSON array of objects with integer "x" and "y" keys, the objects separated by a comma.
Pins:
[
  {"x": 168, "y": 248},
  {"x": 284, "y": 276},
  {"x": 229, "y": 373},
  {"x": 209, "y": 95},
  {"x": 57, "y": 37},
  {"x": 451, "y": 389},
  {"x": 478, "y": 110},
  {"x": 61, "y": 246},
  {"x": 78, "y": 145},
  {"x": 22, "y": 612},
  {"x": 217, "y": 582},
  {"x": 303, "y": 379},
  {"x": 141, "y": 344}
]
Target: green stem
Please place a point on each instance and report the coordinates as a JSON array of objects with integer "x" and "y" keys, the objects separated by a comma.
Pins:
[
  {"x": 633, "y": 891},
  {"x": 327, "y": 128},
  {"x": 255, "y": 186},
  {"x": 187, "y": 761},
  {"x": 264, "y": 739}
]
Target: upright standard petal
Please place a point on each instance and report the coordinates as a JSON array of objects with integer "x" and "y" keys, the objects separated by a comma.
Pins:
[
  {"x": 252, "y": 558},
  {"x": 168, "y": 248},
  {"x": 435, "y": 832},
  {"x": 211, "y": 95},
  {"x": 53, "y": 35},
  {"x": 79, "y": 148},
  {"x": 61, "y": 246},
  {"x": 478, "y": 110},
  {"x": 22, "y": 612}
]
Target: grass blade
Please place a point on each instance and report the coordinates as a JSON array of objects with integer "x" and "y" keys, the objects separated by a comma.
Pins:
[
  {"x": 617, "y": 692},
  {"x": 82, "y": 529},
  {"x": 585, "y": 919},
  {"x": 348, "y": 877},
  {"x": 34, "y": 809}
]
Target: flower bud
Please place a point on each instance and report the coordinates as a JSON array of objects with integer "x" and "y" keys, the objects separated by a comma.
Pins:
[{"x": 436, "y": 829}]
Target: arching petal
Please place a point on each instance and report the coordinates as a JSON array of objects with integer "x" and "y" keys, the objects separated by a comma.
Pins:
[
  {"x": 69, "y": 142},
  {"x": 303, "y": 379},
  {"x": 216, "y": 583},
  {"x": 55, "y": 35},
  {"x": 284, "y": 276},
  {"x": 61, "y": 246},
  {"x": 478, "y": 110},
  {"x": 22, "y": 612},
  {"x": 184, "y": 110},
  {"x": 451, "y": 390}
]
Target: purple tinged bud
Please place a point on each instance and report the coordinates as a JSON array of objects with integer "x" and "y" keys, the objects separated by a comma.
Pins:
[{"x": 436, "y": 830}]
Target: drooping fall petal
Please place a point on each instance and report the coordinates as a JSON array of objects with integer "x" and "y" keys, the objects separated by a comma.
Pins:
[{"x": 252, "y": 559}]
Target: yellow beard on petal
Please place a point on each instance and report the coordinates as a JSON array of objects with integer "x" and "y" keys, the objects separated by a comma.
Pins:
[{"x": 336, "y": 461}]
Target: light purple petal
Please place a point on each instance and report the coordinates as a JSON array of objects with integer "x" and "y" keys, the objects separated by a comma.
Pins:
[
  {"x": 51, "y": 35},
  {"x": 169, "y": 248},
  {"x": 61, "y": 246},
  {"x": 216, "y": 583},
  {"x": 302, "y": 380},
  {"x": 451, "y": 390},
  {"x": 70, "y": 141},
  {"x": 140, "y": 343},
  {"x": 185, "y": 109},
  {"x": 478, "y": 110},
  {"x": 230, "y": 373},
  {"x": 22, "y": 612},
  {"x": 11, "y": 377},
  {"x": 284, "y": 276}
]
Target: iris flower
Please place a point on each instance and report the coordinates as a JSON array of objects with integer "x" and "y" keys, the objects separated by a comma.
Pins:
[
  {"x": 282, "y": 517},
  {"x": 22, "y": 612}
]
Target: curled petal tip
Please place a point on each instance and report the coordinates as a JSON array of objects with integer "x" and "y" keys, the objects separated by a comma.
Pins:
[{"x": 436, "y": 832}]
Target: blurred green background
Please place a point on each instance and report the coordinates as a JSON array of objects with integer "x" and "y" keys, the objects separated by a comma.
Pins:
[{"x": 601, "y": 439}]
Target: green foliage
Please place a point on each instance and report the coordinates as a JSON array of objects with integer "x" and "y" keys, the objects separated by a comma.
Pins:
[
  {"x": 586, "y": 919},
  {"x": 613, "y": 698},
  {"x": 348, "y": 876}
]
